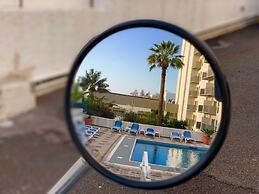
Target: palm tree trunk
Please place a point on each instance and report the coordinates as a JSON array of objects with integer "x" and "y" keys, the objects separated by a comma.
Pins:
[{"x": 161, "y": 97}]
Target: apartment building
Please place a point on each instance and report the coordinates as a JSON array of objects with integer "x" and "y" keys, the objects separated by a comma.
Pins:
[{"x": 195, "y": 93}]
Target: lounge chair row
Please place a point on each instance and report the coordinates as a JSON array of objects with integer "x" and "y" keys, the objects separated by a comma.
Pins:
[
  {"x": 135, "y": 128},
  {"x": 90, "y": 131},
  {"x": 186, "y": 136},
  {"x": 86, "y": 132}
]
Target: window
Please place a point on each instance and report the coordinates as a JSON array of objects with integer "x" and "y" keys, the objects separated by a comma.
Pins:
[
  {"x": 212, "y": 122},
  {"x": 202, "y": 91},
  {"x": 198, "y": 125},
  {"x": 200, "y": 108},
  {"x": 204, "y": 74}
]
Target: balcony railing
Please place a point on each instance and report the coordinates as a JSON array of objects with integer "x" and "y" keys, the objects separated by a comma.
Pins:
[
  {"x": 196, "y": 65},
  {"x": 205, "y": 120},
  {"x": 208, "y": 90},
  {"x": 209, "y": 107},
  {"x": 206, "y": 126},
  {"x": 195, "y": 79},
  {"x": 190, "y": 122},
  {"x": 208, "y": 75},
  {"x": 193, "y": 93},
  {"x": 191, "y": 107},
  {"x": 209, "y": 110}
]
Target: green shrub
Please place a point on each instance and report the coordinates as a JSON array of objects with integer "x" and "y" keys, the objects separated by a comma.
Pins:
[
  {"x": 208, "y": 132},
  {"x": 97, "y": 107},
  {"x": 131, "y": 117},
  {"x": 151, "y": 119},
  {"x": 176, "y": 124}
]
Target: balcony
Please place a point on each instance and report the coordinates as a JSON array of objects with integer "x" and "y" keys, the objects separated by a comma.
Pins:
[
  {"x": 209, "y": 107},
  {"x": 209, "y": 110},
  {"x": 206, "y": 126},
  {"x": 205, "y": 120},
  {"x": 208, "y": 75},
  {"x": 190, "y": 122},
  {"x": 208, "y": 90},
  {"x": 191, "y": 107},
  {"x": 195, "y": 79},
  {"x": 196, "y": 65},
  {"x": 193, "y": 93}
]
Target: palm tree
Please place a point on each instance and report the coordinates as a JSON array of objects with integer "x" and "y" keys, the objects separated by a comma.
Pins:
[
  {"x": 76, "y": 94},
  {"x": 92, "y": 82},
  {"x": 164, "y": 55}
]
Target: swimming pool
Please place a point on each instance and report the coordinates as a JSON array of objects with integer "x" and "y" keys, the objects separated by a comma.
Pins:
[{"x": 165, "y": 154}]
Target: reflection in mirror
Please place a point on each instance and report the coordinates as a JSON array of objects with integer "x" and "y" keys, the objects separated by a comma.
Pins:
[{"x": 143, "y": 104}]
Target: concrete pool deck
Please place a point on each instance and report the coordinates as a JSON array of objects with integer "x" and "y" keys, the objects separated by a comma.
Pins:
[
  {"x": 114, "y": 151},
  {"x": 122, "y": 153}
]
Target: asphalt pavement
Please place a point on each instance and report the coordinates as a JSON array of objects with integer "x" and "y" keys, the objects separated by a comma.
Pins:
[{"x": 37, "y": 150}]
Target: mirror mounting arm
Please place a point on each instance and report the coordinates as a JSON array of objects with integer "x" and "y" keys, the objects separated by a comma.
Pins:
[{"x": 71, "y": 177}]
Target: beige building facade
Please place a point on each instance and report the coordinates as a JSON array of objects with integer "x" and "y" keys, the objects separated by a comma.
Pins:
[
  {"x": 127, "y": 103},
  {"x": 195, "y": 91}
]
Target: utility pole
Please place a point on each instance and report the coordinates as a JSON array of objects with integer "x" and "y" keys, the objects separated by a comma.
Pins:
[
  {"x": 91, "y": 3},
  {"x": 20, "y": 3}
]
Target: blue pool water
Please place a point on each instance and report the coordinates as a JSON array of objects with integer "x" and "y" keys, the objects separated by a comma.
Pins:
[{"x": 170, "y": 155}]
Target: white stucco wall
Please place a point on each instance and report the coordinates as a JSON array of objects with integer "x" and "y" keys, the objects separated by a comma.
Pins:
[{"x": 45, "y": 36}]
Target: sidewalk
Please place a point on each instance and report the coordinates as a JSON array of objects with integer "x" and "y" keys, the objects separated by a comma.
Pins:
[{"x": 37, "y": 150}]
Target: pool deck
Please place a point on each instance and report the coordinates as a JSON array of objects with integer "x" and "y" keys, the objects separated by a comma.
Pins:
[
  {"x": 101, "y": 144},
  {"x": 114, "y": 150},
  {"x": 121, "y": 154}
]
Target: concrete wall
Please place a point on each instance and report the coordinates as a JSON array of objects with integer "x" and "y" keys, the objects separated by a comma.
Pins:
[
  {"x": 46, "y": 35},
  {"x": 164, "y": 131},
  {"x": 123, "y": 99},
  {"x": 136, "y": 101},
  {"x": 15, "y": 98},
  {"x": 40, "y": 39}
]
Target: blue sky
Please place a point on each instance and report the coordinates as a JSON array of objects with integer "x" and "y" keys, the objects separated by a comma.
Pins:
[{"x": 122, "y": 59}]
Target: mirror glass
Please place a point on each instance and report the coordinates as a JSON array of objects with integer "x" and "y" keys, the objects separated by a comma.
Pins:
[{"x": 144, "y": 104}]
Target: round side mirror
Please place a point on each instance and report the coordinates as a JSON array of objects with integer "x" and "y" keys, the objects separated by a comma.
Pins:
[{"x": 147, "y": 104}]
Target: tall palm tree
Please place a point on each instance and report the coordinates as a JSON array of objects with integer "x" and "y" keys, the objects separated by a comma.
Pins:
[
  {"x": 164, "y": 55},
  {"x": 92, "y": 82}
]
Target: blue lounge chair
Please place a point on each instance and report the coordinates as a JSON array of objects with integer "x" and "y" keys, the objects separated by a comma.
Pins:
[
  {"x": 175, "y": 135},
  {"x": 187, "y": 136},
  {"x": 150, "y": 131},
  {"x": 92, "y": 128},
  {"x": 134, "y": 128},
  {"x": 117, "y": 125},
  {"x": 79, "y": 123},
  {"x": 89, "y": 133}
]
